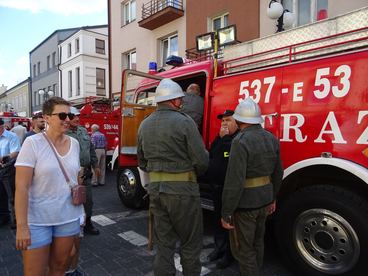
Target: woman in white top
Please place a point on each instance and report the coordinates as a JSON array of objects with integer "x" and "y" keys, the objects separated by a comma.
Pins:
[{"x": 47, "y": 220}]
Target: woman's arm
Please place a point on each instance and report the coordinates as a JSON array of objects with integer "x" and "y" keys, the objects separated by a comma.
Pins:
[{"x": 23, "y": 180}]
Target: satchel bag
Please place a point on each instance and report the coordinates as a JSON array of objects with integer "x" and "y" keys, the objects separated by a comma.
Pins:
[{"x": 79, "y": 195}]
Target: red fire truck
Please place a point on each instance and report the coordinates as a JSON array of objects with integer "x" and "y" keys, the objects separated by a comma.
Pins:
[
  {"x": 101, "y": 112},
  {"x": 11, "y": 119},
  {"x": 313, "y": 93}
]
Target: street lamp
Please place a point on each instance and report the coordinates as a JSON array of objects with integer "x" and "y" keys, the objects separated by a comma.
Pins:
[
  {"x": 284, "y": 17},
  {"x": 49, "y": 94}
]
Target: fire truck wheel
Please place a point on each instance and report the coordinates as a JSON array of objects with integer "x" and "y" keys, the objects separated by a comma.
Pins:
[
  {"x": 130, "y": 189},
  {"x": 322, "y": 230}
]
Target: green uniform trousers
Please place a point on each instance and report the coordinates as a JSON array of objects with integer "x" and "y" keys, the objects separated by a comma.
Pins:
[
  {"x": 177, "y": 217},
  {"x": 249, "y": 232},
  {"x": 89, "y": 202}
]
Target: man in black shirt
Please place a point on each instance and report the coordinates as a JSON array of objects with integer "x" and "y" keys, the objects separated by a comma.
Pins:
[{"x": 219, "y": 156}]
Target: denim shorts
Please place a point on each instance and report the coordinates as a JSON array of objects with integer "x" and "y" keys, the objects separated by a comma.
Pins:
[{"x": 42, "y": 235}]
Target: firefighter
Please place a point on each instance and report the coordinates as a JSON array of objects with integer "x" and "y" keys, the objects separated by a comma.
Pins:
[
  {"x": 89, "y": 161},
  {"x": 219, "y": 157},
  {"x": 253, "y": 178},
  {"x": 171, "y": 150}
]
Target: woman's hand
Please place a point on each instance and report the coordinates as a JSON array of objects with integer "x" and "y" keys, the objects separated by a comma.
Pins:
[{"x": 23, "y": 237}]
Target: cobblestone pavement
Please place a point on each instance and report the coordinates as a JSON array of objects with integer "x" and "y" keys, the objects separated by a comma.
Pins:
[{"x": 120, "y": 249}]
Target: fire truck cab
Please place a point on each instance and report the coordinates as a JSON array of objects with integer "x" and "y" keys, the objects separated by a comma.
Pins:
[
  {"x": 11, "y": 119},
  {"x": 313, "y": 93}
]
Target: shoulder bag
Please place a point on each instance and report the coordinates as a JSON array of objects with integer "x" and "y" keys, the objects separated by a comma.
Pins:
[{"x": 78, "y": 191}]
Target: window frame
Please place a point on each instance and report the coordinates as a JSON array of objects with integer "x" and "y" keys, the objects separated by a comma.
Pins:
[
  {"x": 313, "y": 6},
  {"x": 127, "y": 14},
  {"x": 70, "y": 83},
  {"x": 77, "y": 49},
  {"x": 222, "y": 21},
  {"x": 100, "y": 50},
  {"x": 103, "y": 87},
  {"x": 77, "y": 81},
  {"x": 162, "y": 41},
  {"x": 69, "y": 50},
  {"x": 127, "y": 60}
]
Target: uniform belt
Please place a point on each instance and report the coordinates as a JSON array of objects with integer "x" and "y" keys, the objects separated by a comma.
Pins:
[
  {"x": 165, "y": 176},
  {"x": 257, "y": 181}
]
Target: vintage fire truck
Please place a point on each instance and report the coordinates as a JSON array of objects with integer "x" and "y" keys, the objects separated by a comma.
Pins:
[
  {"x": 11, "y": 119},
  {"x": 100, "y": 111},
  {"x": 311, "y": 83}
]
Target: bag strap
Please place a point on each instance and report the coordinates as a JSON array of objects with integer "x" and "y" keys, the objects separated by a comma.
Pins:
[{"x": 57, "y": 157}]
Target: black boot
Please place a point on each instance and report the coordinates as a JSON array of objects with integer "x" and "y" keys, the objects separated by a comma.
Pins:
[
  {"x": 89, "y": 229},
  {"x": 214, "y": 255},
  {"x": 225, "y": 261}
]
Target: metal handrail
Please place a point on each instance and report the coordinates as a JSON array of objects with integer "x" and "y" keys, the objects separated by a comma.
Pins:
[
  {"x": 292, "y": 50},
  {"x": 154, "y": 6}
]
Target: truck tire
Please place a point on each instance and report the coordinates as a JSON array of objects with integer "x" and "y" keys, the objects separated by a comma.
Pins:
[
  {"x": 130, "y": 189},
  {"x": 322, "y": 230}
]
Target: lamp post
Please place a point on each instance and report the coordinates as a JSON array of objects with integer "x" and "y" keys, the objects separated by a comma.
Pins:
[
  {"x": 47, "y": 95},
  {"x": 284, "y": 17}
]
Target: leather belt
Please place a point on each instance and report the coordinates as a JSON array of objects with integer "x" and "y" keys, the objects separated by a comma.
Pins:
[
  {"x": 257, "y": 181},
  {"x": 167, "y": 177}
]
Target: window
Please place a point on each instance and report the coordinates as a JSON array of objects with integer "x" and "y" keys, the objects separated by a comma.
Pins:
[
  {"x": 100, "y": 82},
  {"x": 70, "y": 86},
  {"x": 38, "y": 68},
  {"x": 129, "y": 60},
  {"x": 34, "y": 70},
  {"x": 100, "y": 46},
  {"x": 169, "y": 46},
  {"x": 220, "y": 22},
  {"x": 77, "y": 45},
  {"x": 128, "y": 12},
  {"x": 307, "y": 11},
  {"x": 77, "y": 76},
  {"x": 53, "y": 59},
  {"x": 48, "y": 63},
  {"x": 69, "y": 50}
]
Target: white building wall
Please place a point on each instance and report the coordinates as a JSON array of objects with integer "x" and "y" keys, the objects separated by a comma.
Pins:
[{"x": 87, "y": 60}]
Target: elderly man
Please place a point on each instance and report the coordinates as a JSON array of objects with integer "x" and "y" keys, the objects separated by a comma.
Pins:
[
  {"x": 193, "y": 104},
  {"x": 253, "y": 178},
  {"x": 9, "y": 149},
  {"x": 98, "y": 140},
  {"x": 171, "y": 150}
]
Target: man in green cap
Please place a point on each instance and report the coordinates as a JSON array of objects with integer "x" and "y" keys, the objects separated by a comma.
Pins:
[{"x": 171, "y": 150}]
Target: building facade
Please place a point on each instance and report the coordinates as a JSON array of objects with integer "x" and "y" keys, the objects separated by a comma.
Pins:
[
  {"x": 143, "y": 31},
  {"x": 44, "y": 62},
  {"x": 16, "y": 99},
  {"x": 83, "y": 69}
]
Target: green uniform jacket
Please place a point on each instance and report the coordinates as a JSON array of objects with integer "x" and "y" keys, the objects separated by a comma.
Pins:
[
  {"x": 88, "y": 155},
  {"x": 169, "y": 141},
  {"x": 254, "y": 152}
]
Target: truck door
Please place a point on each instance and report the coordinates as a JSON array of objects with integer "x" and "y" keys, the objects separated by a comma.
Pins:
[{"x": 137, "y": 102}]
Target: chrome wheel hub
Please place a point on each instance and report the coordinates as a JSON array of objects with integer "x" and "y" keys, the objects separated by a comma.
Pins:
[{"x": 326, "y": 241}]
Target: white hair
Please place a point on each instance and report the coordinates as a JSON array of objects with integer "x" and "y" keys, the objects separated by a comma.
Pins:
[{"x": 95, "y": 127}]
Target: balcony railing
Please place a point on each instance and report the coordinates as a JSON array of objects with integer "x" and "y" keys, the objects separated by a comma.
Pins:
[{"x": 156, "y": 13}]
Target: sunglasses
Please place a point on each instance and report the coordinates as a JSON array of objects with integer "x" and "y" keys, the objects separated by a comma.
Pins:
[{"x": 63, "y": 115}]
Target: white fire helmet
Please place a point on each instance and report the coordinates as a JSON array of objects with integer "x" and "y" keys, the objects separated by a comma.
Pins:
[
  {"x": 168, "y": 90},
  {"x": 248, "y": 111}
]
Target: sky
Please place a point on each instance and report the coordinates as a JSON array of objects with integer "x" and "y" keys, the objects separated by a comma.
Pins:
[{"x": 26, "y": 23}]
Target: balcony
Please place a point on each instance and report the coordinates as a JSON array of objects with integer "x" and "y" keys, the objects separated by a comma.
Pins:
[{"x": 156, "y": 13}]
